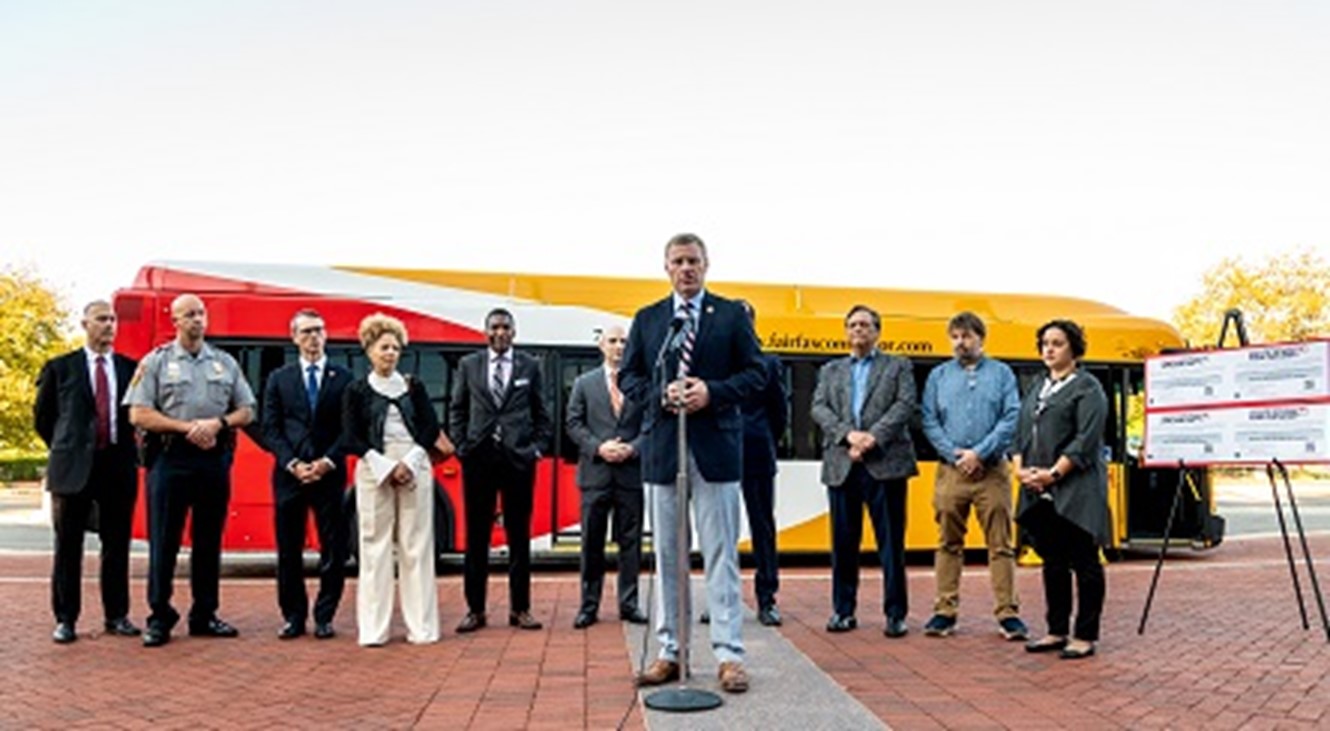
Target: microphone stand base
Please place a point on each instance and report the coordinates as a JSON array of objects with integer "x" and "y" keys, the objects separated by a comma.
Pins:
[{"x": 682, "y": 700}]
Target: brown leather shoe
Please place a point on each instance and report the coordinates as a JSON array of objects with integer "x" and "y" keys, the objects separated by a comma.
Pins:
[
  {"x": 523, "y": 620},
  {"x": 659, "y": 673},
  {"x": 733, "y": 677},
  {"x": 470, "y": 623}
]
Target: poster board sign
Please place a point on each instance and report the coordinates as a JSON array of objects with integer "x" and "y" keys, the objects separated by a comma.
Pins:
[
  {"x": 1259, "y": 374},
  {"x": 1245, "y": 406},
  {"x": 1293, "y": 433}
]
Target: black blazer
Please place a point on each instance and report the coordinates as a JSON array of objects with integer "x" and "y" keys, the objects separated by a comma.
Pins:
[
  {"x": 365, "y": 410},
  {"x": 291, "y": 432},
  {"x": 522, "y": 419},
  {"x": 765, "y": 418},
  {"x": 65, "y": 416},
  {"x": 726, "y": 356}
]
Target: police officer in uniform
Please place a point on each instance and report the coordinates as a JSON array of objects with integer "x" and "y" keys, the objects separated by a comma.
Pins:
[{"x": 189, "y": 397}]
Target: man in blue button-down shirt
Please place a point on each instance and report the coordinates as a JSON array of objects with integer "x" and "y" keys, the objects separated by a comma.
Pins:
[{"x": 970, "y": 406}]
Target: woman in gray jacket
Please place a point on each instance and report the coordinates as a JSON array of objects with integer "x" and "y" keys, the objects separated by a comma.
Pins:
[{"x": 1064, "y": 489}]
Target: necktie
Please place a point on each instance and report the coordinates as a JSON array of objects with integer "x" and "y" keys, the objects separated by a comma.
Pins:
[
  {"x": 689, "y": 340},
  {"x": 496, "y": 386},
  {"x": 102, "y": 396},
  {"x": 616, "y": 396},
  {"x": 312, "y": 386},
  {"x": 858, "y": 370}
]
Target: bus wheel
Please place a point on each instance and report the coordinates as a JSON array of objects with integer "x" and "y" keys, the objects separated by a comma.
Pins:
[
  {"x": 352, "y": 531},
  {"x": 445, "y": 526}
]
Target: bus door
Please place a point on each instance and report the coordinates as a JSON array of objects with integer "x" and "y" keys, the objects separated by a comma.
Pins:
[{"x": 1150, "y": 491}]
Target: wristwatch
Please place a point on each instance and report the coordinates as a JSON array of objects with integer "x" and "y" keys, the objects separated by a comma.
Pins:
[{"x": 1053, "y": 472}]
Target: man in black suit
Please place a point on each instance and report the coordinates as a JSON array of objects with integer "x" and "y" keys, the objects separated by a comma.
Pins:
[
  {"x": 712, "y": 369},
  {"x": 764, "y": 423},
  {"x": 92, "y": 460},
  {"x": 607, "y": 428},
  {"x": 502, "y": 427},
  {"x": 302, "y": 427}
]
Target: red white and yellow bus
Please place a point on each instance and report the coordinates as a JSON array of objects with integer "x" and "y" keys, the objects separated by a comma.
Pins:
[{"x": 250, "y": 307}]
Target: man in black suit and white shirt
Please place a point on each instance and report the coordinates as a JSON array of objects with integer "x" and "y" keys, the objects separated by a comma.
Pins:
[
  {"x": 302, "y": 427},
  {"x": 499, "y": 420},
  {"x": 606, "y": 427},
  {"x": 92, "y": 460}
]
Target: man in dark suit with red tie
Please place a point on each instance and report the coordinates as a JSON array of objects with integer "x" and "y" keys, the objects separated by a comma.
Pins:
[
  {"x": 501, "y": 425},
  {"x": 711, "y": 371},
  {"x": 302, "y": 427},
  {"x": 92, "y": 460}
]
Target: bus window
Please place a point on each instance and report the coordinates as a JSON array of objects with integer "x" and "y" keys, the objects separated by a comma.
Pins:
[
  {"x": 571, "y": 365},
  {"x": 806, "y": 440}
]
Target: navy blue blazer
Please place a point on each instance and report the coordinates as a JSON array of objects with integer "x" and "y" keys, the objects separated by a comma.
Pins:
[
  {"x": 291, "y": 432},
  {"x": 726, "y": 355},
  {"x": 765, "y": 418}
]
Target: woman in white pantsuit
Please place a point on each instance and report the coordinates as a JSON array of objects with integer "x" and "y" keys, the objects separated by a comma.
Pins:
[{"x": 389, "y": 423}]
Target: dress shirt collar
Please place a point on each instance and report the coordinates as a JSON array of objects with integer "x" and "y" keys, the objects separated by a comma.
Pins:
[
  {"x": 320, "y": 364},
  {"x": 94, "y": 355}
]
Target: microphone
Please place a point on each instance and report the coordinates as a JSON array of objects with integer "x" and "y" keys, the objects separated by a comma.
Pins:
[{"x": 680, "y": 319}]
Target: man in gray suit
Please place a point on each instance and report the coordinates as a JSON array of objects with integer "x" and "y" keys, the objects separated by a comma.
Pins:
[
  {"x": 863, "y": 404},
  {"x": 607, "y": 428}
]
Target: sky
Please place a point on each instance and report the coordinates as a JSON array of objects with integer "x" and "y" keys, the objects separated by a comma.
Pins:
[{"x": 1113, "y": 151}]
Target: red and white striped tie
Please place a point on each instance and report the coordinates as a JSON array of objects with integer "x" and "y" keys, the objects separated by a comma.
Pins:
[{"x": 689, "y": 339}]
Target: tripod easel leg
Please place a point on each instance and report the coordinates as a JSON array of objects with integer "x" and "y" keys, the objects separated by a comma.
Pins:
[
  {"x": 1306, "y": 551},
  {"x": 1288, "y": 548},
  {"x": 1168, "y": 532}
]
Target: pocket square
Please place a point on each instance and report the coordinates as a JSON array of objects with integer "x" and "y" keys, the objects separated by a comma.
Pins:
[{"x": 519, "y": 382}]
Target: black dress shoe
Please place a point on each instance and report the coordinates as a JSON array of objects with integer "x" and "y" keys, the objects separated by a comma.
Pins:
[
  {"x": 291, "y": 630},
  {"x": 837, "y": 623},
  {"x": 633, "y": 616},
  {"x": 122, "y": 627},
  {"x": 1073, "y": 653},
  {"x": 156, "y": 637},
  {"x": 1047, "y": 644},
  {"x": 584, "y": 619},
  {"x": 769, "y": 616},
  {"x": 64, "y": 633},
  {"x": 215, "y": 628},
  {"x": 324, "y": 630},
  {"x": 896, "y": 628},
  {"x": 523, "y": 620},
  {"x": 470, "y": 623}
]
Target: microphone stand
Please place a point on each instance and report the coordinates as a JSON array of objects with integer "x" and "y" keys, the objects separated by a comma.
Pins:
[{"x": 681, "y": 699}]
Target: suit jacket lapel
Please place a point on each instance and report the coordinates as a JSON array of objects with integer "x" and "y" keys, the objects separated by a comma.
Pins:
[
  {"x": 329, "y": 373},
  {"x": 80, "y": 362},
  {"x": 706, "y": 316}
]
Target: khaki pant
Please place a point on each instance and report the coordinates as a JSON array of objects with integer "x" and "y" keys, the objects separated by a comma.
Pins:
[{"x": 991, "y": 497}]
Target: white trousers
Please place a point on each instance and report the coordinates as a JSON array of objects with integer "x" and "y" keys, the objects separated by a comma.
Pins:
[
  {"x": 400, "y": 518},
  {"x": 716, "y": 507}
]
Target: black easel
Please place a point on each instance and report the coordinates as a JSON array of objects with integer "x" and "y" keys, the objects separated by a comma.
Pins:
[
  {"x": 1184, "y": 479},
  {"x": 1270, "y": 469}
]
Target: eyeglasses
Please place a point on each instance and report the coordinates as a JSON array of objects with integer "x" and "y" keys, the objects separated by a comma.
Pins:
[{"x": 311, "y": 330}]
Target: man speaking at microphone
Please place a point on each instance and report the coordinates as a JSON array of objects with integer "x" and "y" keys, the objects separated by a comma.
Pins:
[{"x": 696, "y": 352}]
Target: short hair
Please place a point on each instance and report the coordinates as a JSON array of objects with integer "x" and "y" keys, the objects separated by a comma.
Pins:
[
  {"x": 496, "y": 312},
  {"x": 748, "y": 309},
  {"x": 685, "y": 240},
  {"x": 968, "y": 321},
  {"x": 1075, "y": 336},
  {"x": 96, "y": 303},
  {"x": 872, "y": 313},
  {"x": 304, "y": 312},
  {"x": 375, "y": 326}
]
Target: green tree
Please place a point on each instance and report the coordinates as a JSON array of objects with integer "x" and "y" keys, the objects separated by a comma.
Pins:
[
  {"x": 1285, "y": 297},
  {"x": 32, "y": 329}
]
